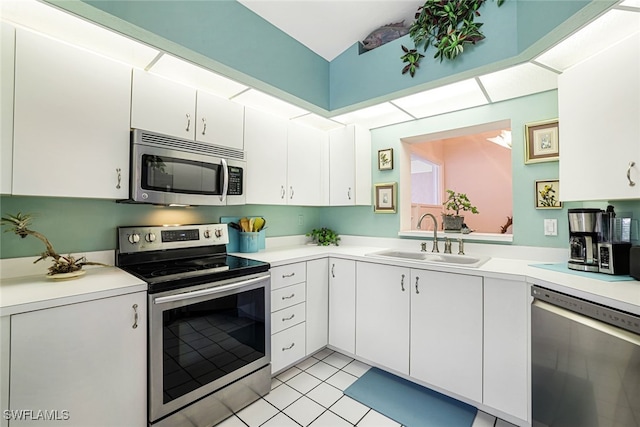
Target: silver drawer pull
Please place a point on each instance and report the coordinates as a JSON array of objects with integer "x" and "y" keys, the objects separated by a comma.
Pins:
[
  {"x": 289, "y": 297},
  {"x": 284, "y": 276},
  {"x": 417, "y": 291},
  {"x": 135, "y": 316},
  {"x": 284, "y": 319},
  {"x": 631, "y": 182},
  {"x": 402, "y": 283},
  {"x": 288, "y": 348}
]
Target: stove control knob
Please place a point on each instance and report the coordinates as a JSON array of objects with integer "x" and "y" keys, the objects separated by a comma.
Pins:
[
  {"x": 206, "y": 234},
  {"x": 218, "y": 232},
  {"x": 134, "y": 238},
  {"x": 150, "y": 237}
]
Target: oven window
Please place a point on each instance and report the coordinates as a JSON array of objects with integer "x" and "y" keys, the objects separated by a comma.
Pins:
[
  {"x": 203, "y": 342},
  {"x": 161, "y": 173}
]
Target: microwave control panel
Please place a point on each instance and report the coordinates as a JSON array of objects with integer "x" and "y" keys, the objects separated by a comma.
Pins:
[{"x": 235, "y": 181}]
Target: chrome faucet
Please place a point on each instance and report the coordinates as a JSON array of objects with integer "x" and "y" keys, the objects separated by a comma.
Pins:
[{"x": 435, "y": 230}]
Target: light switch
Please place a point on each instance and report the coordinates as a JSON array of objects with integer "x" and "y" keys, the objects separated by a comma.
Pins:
[{"x": 550, "y": 227}]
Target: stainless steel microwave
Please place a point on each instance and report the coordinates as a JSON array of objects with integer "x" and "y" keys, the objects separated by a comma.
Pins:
[{"x": 172, "y": 171}]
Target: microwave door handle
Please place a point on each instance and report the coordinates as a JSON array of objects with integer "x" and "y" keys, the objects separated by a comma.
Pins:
[{"x": 225, "y": 183}]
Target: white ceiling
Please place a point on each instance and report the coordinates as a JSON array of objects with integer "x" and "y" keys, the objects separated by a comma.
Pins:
[{"x": 329, "y": 27}]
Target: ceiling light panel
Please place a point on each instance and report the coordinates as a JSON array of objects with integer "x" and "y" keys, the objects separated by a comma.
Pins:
[
  {"x": 192, "y": 75},
  {"x": 521, "y": 80},
  {"x": 374, "y": 117},
  {"x": 453, "y": 97},
  {"x": 315, "y": 121},
  {"x": 267, "y": 103},
  {"x": 631, "y": 3},
  {"x": 605, "y": 31},
  {"x": 68, "y": 28}
]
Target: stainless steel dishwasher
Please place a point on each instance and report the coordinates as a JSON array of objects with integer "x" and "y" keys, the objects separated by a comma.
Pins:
[{"x": 585, "y": 363}]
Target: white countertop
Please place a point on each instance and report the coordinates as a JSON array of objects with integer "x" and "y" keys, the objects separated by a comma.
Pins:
[{"x": 35, "y": 292}]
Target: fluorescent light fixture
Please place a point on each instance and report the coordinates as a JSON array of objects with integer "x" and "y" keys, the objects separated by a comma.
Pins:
[
  {"x": 63, "y": 26},
  {"x": 603, "y": 32},
  {"x": 315, "y": 121},
  {"x": 267, "y": 103},
  {"x": 453, "y": 97},
  {"x": 521, "y": 80},
  {"x": 192, "y": 75},
  {"x": 384, "y": 114},
  {"x": 631, "y": 3},
  {"x": 503, "y": 139}
]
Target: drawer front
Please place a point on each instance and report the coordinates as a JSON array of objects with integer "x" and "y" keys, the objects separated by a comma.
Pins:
[
  {"x": 287, "y": 347},
  {"x": 287, "y": 317},
  {"x": 286, "y": 297},
  {"x": 286, "y": 275}
]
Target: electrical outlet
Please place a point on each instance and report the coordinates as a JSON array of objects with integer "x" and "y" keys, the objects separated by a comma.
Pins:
[
  {"x": 550, "y": 227},
  {"x": 300, "y": 220}
]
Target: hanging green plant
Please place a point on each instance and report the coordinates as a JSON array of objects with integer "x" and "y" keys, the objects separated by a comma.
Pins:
[
  {"x": 413, "y": 57},
  {"x": 447, "y": 26}
]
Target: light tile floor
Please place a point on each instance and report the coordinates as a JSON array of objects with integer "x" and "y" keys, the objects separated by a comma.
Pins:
[{"x": 311, "y": 394}]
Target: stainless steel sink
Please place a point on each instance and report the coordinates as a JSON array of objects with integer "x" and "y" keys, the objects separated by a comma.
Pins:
[{"x": 430, "y": 257}]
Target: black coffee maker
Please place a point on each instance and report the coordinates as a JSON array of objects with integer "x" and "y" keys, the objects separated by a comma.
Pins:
[{"x": 583, "y": 239}]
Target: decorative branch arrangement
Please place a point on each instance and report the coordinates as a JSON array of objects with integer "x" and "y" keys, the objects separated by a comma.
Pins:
[
  {"x": 447, "y": 25},
  {"x": 19, "y": 224}
]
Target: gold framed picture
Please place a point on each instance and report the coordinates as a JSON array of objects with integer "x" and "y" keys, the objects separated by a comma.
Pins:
[
  {"x": 385, "y": 197},
  {"x": 542, "y": 143},
  {"x": 547, "y": 194},
  {"x": 385, "y": 159}
]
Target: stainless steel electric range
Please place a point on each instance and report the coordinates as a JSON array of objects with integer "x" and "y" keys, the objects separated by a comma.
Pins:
[{"x": 209, "y": 349}]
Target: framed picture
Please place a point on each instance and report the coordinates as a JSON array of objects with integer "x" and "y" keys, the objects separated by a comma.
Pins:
[
  {"x": 542, "y": 143},
  {"x": 547, "y": 194},
  {"x": 385, "y": 198},
  {"x": 385, "y": 159}
]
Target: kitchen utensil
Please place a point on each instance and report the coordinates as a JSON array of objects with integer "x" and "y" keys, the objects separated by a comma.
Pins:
[
  {"x": 244, "y": 224},
  {"x": 259, "y": 223}
]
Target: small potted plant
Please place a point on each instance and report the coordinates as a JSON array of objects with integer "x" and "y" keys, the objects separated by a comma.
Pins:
[
  {"x": 324, "y": 236},
  {"x": 456, "y": 202}
]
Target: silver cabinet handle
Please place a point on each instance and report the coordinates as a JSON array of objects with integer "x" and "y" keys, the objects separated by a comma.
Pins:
[
  {"x": 289, "y": 348},
  {"x": 289, "y": 297},
  {"x": 291, "y": 191},
  {"x": 284, "y": 276},
  {"x": 349, "y": 193},
  {"x": 417, "y": 291},
  {"x": 631, "y": 183},
  {"x": 284, "y": 319},
  {"x": 282, "y": 192},
  {"x": 402, "y": 283},
  {"x": 333, "y": 269},
  {"x": 119, "y": 172},
  {"x": 204, "y": 126},
  {"x": 135, "y": 316},
  {"x": 188, "y": 122}
]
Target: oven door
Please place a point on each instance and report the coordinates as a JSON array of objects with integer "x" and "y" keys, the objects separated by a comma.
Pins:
[
  {"x": 170, "y": 176},
  {"x": 205, "y": 337}
]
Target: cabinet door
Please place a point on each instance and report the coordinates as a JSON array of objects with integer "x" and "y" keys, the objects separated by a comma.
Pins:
[
  {"x": 219, "y": 121},
  {"x": 265, "y": 141},
  {"x": 446, "y": 331},
  {"x": 162, "y": 106},
  {"x": 342, "y": 304},
  {"x": 86, "y": 358},
  {"x": 382, "y": 315},
  {"x": 600, "y": 125},
  {"x": 71, "y": 122},
  {"x": 506, "y": 334},
  {"x": 342, "y": 185},
  {"x": 307, "y": 165},
  {"x": 7, "y": 49},
  {"x": 317, "y": 304}
]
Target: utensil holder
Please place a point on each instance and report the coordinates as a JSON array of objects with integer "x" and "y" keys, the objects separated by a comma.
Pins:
[{"x": 248, "y": 242}]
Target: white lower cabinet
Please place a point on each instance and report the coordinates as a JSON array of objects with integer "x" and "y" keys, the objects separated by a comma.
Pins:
[
  {"x": 317, "y": 304},
  {"x": 87, "y": 361},
  {"x": 342, "y": 304},
  {"x": 506, "y": 349},
  {"x": 382, "y": 315},
  {"x": 446, "y": 331}
]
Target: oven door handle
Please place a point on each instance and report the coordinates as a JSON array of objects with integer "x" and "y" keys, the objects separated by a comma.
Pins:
[
  {"x": 225, "y": 184},
  {"x": 208, "y": 291}
]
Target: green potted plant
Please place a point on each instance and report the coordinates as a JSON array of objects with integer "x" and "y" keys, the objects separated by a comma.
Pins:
[
  {"x": 456, "y": 202},
  {"x": 324, "y": 236}
]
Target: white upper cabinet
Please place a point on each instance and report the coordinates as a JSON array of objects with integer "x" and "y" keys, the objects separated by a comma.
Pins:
[
  {"x": 162, "y": 106},
  {"x": 349, "y": 166},
  {"x": 71, "y": 121},
  {"x": 219, "y": 121},
  {"x": 7, "y": 50},
  {"x": 265, "y": 140},
  {"x": 307, "y": 166},
  {"x": 599, "y": 111}
]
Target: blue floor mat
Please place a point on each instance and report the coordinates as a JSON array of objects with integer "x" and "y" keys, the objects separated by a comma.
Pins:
[{"x": 408, "y": 403}]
